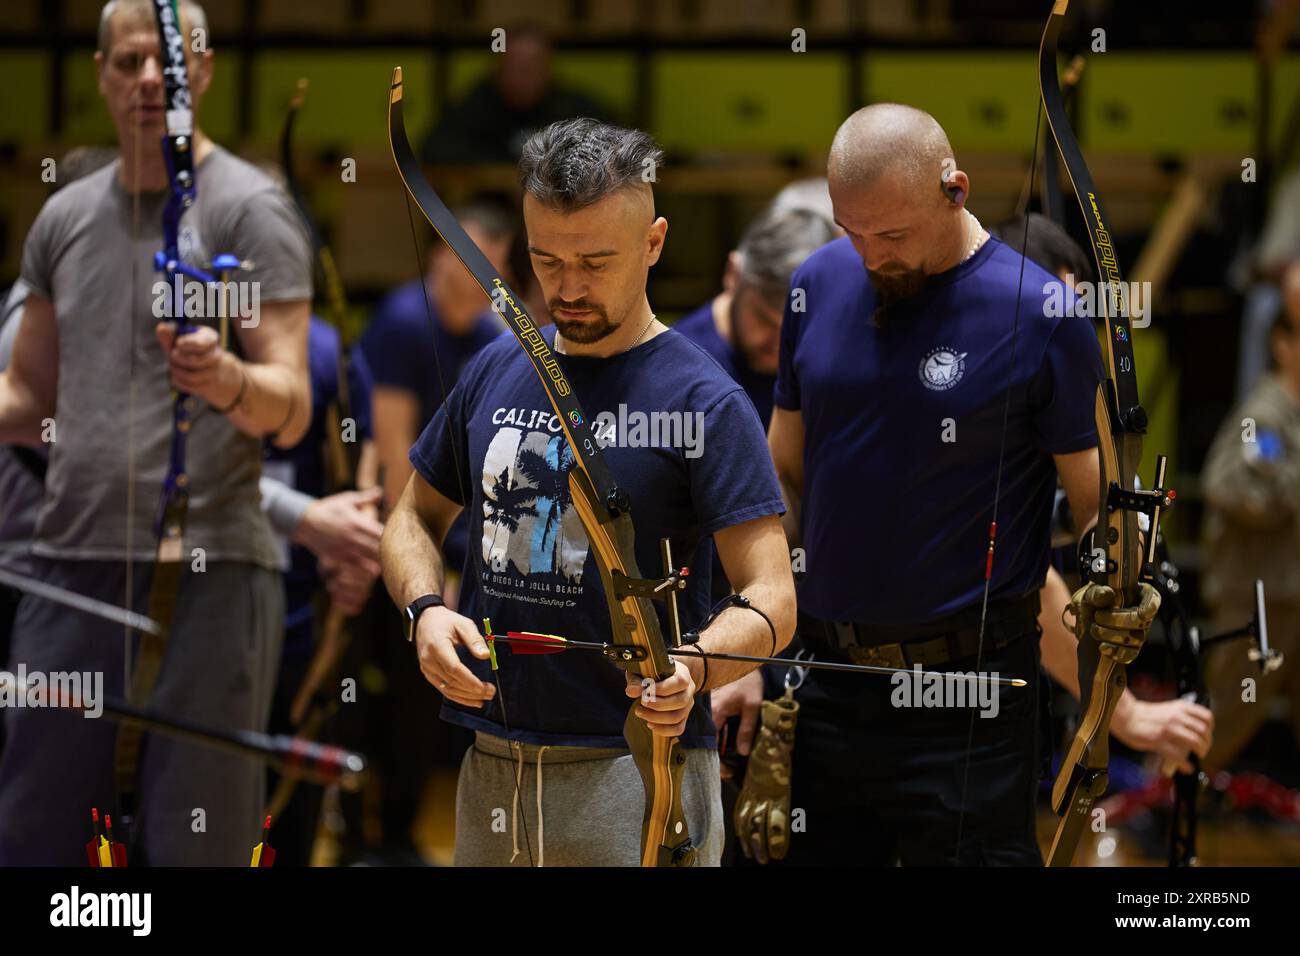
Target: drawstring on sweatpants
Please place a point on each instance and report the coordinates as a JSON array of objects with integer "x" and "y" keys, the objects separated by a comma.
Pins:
[
  {"x": 514, "y": 804},
  {"x": 541, "y": 821},
  {"x": 514, "y": 800}
]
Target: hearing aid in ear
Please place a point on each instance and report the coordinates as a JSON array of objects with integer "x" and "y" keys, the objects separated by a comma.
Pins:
[{"x": 954, "y": 192}]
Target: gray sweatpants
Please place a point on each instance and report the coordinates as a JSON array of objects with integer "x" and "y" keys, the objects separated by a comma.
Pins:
[
  {"x": 576, "y": 806},
  {"x": 219, "y": 669}
]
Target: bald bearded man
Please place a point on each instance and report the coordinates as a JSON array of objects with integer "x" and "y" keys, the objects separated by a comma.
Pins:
[{"x": 891, "y": 426}]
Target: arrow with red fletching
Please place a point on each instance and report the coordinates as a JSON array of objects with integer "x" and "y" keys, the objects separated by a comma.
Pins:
[{"x": 529, "y": 642}]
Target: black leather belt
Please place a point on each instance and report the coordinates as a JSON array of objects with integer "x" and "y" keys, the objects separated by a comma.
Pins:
[{"x": 932, "y": 643}]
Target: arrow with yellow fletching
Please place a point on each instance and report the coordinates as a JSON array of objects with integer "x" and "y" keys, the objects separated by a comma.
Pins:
[
  {"x": 264, "y": 853},
  {"x": 103, "y": 850}
]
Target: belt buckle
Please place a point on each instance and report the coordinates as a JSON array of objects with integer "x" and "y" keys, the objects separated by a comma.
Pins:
[
  {"x": 933, "y": 652},
  {"x": 882, "y": 655}
]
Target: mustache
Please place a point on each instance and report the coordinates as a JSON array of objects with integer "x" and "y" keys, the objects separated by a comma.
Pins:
[{"x": 580, "y": 305}]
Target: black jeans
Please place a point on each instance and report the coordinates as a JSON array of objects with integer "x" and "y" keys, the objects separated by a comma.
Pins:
[{"x": 880, "y": 783}]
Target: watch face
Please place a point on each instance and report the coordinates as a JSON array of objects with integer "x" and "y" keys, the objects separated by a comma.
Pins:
[{"x": 415, "y": 608}]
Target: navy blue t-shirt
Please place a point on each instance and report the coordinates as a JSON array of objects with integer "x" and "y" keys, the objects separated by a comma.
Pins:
[
  {"x": 895, "y": 518},
  {"x": 303, "y": 466},
  {"x": 698, "y": 326},
  {"x": 404, "y": 345},
  {"x": 532, "y": 570}
]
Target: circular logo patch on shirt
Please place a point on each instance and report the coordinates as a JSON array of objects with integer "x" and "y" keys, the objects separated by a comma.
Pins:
[{"x": 942, "y": 369}]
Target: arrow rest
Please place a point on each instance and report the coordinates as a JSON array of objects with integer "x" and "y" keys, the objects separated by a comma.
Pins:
[{"x": 1150, "y": 503}]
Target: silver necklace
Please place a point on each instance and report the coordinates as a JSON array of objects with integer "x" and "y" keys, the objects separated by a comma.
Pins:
[
  {"x": 644, "y": 329},
  {"x": 559, "y": 339}
]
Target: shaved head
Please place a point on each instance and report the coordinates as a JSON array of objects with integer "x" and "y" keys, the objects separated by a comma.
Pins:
[
  {"x": 899, "y": 196},
  {"x": 888, "y": 138}
]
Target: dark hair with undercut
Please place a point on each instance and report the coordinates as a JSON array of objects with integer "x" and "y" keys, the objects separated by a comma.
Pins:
[{"x": 575, "y": 163}]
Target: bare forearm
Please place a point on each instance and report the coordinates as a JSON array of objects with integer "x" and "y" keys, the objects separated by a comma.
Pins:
[
  {"x": 740, "y": 630},
  {"x": 271, "y": 400},
  {"x": 368, "y": 467},
  {"x": 397, "y": 472},
  {"x": 785, "y": 442},
  {"x": 790, "y": 520},
  {"x": 20, "y": 414},
  {"x": 1059, "y": 647},
  {"x": 412, "y": 565},
  {"x": 1060, "y": 654}
]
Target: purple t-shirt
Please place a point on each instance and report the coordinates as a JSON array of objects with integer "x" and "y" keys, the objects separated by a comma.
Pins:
[
  {"x": 530, "y": 568},
  {"x": 903, "y": 426}
]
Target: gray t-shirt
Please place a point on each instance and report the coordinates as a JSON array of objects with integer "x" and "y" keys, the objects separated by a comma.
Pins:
[
  {"x": 91, "y": 256},
  {"x": 21, "y": 490}
]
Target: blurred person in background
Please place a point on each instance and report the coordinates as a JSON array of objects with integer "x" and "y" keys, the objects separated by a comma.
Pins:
[
  {"x": 812, "y": 194},
  {"x": 416, "y": 345},
  {"x": 329, "y": 539},
  {"x": 1171, "y": 729},
  {"x": 491, "y": 124},
  {"x": 741, "y": 326},
  {"x": 1277, "y": 249},
  {"x": 22, "y": 468},
  {"x": 1251, "y": 484},
  {"x": 88, "y": 339},
  {"x": 410, "y": 369},
  {"x": 740, "y": 329}
]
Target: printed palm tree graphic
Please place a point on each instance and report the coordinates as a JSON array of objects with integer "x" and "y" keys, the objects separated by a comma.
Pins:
[
  {"x": 506, "y": 504},
  {"x": 551, "y": 482}
]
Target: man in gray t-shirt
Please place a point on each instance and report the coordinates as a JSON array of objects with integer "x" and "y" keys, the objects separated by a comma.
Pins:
[
  {"x": 21, "y": 470},
  {"x": 91, "y": 378}
]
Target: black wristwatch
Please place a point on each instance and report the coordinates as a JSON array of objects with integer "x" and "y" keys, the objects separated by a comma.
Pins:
[{"x": 418, "y": 607}]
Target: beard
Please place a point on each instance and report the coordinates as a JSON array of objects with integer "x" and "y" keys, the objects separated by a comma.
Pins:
[
  {"x": 753, "y": 357},
  {"x": 593, "y": 328},
  {"x": 892, "y": 288}
]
